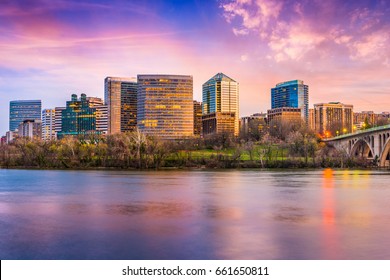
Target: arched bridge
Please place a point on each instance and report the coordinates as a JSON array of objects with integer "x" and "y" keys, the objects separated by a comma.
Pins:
[{"x": 373, "y": 143}]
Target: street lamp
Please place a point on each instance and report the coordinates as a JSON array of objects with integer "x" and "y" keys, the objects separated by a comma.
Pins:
[{"x": 345, "y": 130}]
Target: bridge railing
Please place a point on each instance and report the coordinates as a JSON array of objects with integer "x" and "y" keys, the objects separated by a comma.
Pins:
[{"x": 368, "y": 130}]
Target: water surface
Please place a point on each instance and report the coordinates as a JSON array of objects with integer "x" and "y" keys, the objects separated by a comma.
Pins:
[{"x": 233, "y": 214}]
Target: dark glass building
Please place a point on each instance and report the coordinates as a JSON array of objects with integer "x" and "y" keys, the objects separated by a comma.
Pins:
[
  {"x": 78, "y": 117},
  {"x": 21, "y": 110},
  {"x": 293, "y": 94}
]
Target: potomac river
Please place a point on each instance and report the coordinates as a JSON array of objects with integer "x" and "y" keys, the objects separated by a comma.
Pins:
[{"x": 227, "y": 214}]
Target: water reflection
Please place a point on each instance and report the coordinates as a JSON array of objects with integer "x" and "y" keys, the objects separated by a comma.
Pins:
[{"x": 323, "y": 214}]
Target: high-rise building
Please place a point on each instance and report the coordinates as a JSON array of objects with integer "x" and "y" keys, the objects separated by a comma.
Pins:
[
  {"x": 120, "y": 96},
  {"x": 165, "y": 106},
  {"x": 30, "y": 129},
  {"x": 20, "y": 110},
  {"x": 333, "y": 118},
  {"x": 58, "y": 119},
  {"x": 78, "y": 118},
  {"x": 48, "y": 125},
  {"x": 101, "y": 113},
  {"x": 220, "y": 95},
  {"x": 293, "y": 94},
  {"x": 197, "y": 118}
]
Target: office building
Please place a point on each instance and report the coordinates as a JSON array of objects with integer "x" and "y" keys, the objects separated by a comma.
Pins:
[
  {"x": 312, "y": 125},
  {"x": 254, "y": 126},
  {"x": 197, "y": 118},
  {"x": 30, "y": 129},
  {"x": 20, "y": 110},
  {"x": 219, "y": 123},
  {"x": 220, "y": 95},
  {"x": 78, "y": 118},
  {"x": 165, "y": 106},
  {"x": 101, "y": 113},
  {"x": 58, "y": 119},
  {"x": 120, "y": 96},
  {"x": 333, "y": 118},
  {"x": 292, "y": 94},
  {"x": 48, "y": 125},
  {"x": 282, "y": 121}
]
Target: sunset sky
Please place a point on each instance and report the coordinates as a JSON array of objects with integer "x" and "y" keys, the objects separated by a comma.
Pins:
[{"x": 50, "y": 49}]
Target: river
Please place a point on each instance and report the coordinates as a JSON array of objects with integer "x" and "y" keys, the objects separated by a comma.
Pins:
[{"x": 229, "y": 214}]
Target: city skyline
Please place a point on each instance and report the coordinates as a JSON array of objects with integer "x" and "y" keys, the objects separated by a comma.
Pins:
[{"x": 51, "y": 49}]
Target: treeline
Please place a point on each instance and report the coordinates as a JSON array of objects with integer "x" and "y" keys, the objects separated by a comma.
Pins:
[{"x": 299, "y": 149}]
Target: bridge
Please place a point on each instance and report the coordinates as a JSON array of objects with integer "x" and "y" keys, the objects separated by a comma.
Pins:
[{"x": 373, "y": 143}]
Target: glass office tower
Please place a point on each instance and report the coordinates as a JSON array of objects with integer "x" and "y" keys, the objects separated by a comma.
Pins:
[
  {"x": 294, "y": 94},
  {"x": 21, "y": 110},
  {"x": 220, "y": 95},
  {"x": 165, "y": 106}
]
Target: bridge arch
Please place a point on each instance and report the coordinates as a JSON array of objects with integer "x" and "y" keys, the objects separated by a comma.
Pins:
[
  {"x": 362, "y": 148},
  {"x": 384, "y": 159}
]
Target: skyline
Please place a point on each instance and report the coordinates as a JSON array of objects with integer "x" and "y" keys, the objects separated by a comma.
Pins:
[{"x": 51, "y": 49}]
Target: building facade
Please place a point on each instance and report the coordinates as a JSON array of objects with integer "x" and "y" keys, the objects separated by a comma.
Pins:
[
  {"x": 165, "y": 106},
  {"x": 197, "y": 118},
  {"x": 101, "y": 113},
  {"x": 120, "y": 96},
  {"x": 282, "y": 121},
  {"x": 78, "y": 118},
  {"x": 220, "y": 95},
  {"x": 254, "y": 126},
  {"x": 58, "y": 119},
  {"x": 333, "y": 119},
  {"x": 20, "y": 110},
  {"x": 292, "y": 94},
  {"x": 30, "y": 129},
  {"x": 218, "y": 123},
  {"x": 48, "y": 125}
]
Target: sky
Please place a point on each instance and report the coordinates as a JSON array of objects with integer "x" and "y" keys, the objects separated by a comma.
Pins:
[{"x": 50, "y": 49}]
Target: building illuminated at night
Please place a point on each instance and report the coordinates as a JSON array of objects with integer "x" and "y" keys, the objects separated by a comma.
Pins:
[
  {"x": 120, "y": 96},
  {"x": 220, "y": 95},
  {"x": 165, "y": 106}
]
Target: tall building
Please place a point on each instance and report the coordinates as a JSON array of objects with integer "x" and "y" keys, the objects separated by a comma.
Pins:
[
  {"x": 120, "y": 96},
  {"x": 58, "y": 119},
  {"x": 165, "y": 106},
  {"x": 48, "y": 125},
  {"x": 197, "y": 118},
  {"x": 333, "y": 118},
  {"x": 293, "y": 94},
  {"x": 30, "y": 129},
  {"x": 78, "y": 118},
  {"x": 20, "y": 110},
  {"x": 101, "y": 113},
  {"x": 220, "y": 95}
]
